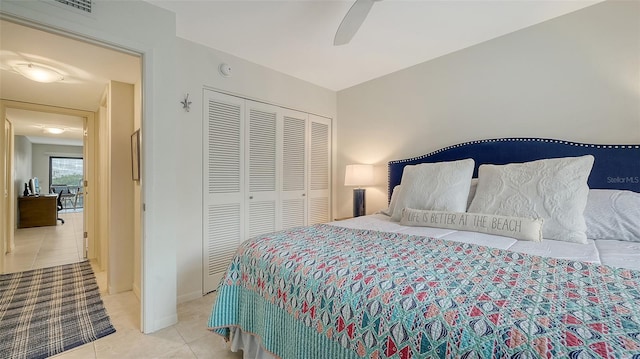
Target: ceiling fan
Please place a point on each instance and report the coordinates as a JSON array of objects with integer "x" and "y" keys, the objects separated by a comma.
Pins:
[{"x": 352, "y": 21}]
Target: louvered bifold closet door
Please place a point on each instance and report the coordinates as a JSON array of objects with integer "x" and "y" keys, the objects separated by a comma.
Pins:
[
  {"x": 319, "y": 169},
  {"x": 294, "y": 179},
  {"x": 223, "y": 183},
  {"x": 262, "y": 168}
]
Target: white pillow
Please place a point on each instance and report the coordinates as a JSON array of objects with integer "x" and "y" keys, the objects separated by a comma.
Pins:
[
  {"x": 515, "y": 227},
  {"x": 613, "y": 214},
  {"x": 553, "y": 189},
  {"x": 472, "y": 191},
  {"x": 441, "y": 186},
  {"x": 392, "y": 203}
]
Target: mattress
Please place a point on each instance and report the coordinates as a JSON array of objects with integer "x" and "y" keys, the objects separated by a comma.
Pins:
[{"x": 613, "y": 253}]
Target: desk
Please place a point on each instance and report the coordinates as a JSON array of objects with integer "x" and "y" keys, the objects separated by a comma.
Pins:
[{"x": 36, "y": 211}]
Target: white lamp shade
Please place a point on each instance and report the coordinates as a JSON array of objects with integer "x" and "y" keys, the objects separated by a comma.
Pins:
[{"x": 358, "y": 175}]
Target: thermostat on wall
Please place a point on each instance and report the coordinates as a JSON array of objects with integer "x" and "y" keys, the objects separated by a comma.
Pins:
[{"x": 225, "y": 69}]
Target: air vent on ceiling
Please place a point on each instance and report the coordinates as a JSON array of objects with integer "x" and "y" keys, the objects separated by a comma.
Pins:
[{"x": 84, "y": 5}]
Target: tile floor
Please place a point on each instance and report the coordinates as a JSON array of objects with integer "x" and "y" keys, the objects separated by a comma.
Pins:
[
  {"x": 41, "y": 247},
  {"x": 189, "y": 338}
]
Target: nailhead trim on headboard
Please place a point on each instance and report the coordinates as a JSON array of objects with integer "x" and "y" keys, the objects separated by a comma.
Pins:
[
  {"x": 510, "y": 140},
  {"x": 513, "y": 140}
]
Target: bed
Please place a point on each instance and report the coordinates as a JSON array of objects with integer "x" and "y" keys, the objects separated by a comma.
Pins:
[{"x": 396, "y": 285}]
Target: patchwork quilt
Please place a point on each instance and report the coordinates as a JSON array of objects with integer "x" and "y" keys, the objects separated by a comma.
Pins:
[{"x": 329, "y": 292}]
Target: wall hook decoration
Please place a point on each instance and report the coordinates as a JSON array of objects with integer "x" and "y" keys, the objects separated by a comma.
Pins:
[{"x": 186, "y": 104}]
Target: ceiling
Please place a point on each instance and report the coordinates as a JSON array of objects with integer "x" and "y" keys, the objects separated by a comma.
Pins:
[
  {"x": 32, "y": 124},
  {"x": 296, "y": 36},
  {"x": 87, "y": 69}
]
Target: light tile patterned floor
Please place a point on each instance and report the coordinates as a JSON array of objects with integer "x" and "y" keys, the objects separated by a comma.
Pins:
[
  {"x": 41, "y": 247},
  {"x": 48, "y": 246},
  {"x": 189, "y": 338}
]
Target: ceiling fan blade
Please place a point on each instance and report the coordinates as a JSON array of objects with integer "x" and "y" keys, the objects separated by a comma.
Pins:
[{"x": 352, "y": 21}]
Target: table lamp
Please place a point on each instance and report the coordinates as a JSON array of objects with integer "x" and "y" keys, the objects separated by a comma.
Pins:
[{"x": 358, "y": 175}]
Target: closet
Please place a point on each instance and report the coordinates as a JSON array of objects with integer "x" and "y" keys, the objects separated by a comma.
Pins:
[{"x": 266, "y": 168}]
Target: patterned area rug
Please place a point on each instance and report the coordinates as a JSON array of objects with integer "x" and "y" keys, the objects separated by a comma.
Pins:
[{"x": 46, "y": 311}]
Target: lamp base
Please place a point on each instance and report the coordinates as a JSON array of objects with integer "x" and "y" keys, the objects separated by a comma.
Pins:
[{"x": 359, "y": 208}]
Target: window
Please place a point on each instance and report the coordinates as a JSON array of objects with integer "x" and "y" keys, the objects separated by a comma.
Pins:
[
  {"x": 65, "y": 171},
  {"x": 65, "y": 177}
]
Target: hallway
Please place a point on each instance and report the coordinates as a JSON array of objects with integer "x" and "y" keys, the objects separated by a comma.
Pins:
[
  {"x": 49, "y": 246},
  {"x": 41, "y": 247}
]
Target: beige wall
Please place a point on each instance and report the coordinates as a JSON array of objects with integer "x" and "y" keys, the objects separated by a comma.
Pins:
[
  {"x": 576, "y": 77},
  {"x": 22, "y": 168},
  {"x": 101, "y": 191},
  {"x": 22, "y": 163},
  {"x": 121, "y": 222},
  {"x": 137, "y": 202}
]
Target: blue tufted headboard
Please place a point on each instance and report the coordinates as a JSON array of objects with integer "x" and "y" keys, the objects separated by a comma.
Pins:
[{"x": 615, "y": 166}]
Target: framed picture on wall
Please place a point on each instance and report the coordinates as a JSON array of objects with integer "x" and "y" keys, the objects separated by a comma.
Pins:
[{"x": 135, "y": 155}]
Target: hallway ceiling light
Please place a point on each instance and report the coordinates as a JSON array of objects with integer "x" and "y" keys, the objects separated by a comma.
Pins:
[
  {"x": 38, "y": 73},
  {"x": 53, "y": 130}
]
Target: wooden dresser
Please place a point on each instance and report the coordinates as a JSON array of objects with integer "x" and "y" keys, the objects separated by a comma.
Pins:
[{"x": 37, "y": 211}]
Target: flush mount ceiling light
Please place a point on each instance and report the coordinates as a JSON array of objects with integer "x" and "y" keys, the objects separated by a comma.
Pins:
[
  {"x": 38, "y": 73},
  {"x": 53, "y": 130}
]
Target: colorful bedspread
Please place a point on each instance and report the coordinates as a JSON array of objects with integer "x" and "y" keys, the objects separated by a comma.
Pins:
[{"x": 328, "y": 292}]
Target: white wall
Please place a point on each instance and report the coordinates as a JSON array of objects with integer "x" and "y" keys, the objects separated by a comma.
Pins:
[
  {"x": 576, "y": 77},
  {"x": 22, "y": 166},
  {"x": 147, "y": 29},
  {"x": 41, "y": 154},
  {"x": 198, "y": 65}
]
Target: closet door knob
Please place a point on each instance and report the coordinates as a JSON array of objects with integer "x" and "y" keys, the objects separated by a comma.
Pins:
[{"x": 250, "y": 197}]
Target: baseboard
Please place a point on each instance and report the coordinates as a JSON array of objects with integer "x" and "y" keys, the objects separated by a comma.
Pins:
[
  {"x": 162, "y": 323},
  {"x": 115, "y": 290},
  {"x": 189, "y": 297},
  {"x": 136, "y": 291}
]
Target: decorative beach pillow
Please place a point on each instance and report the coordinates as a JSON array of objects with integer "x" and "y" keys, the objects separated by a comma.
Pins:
[
  {"x": 392, "y": 203},
  {"x": 441, "y": 186},
  {"x": 613, "y": 214},
  {"x": 553, "y": 189},
  {"x": 515, "y": 227}
]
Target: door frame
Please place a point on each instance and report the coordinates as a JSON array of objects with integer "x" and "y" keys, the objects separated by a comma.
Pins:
[
  {"x": 158, "y": 60},
  {"x": 6, "y": 157},
  {"x": 9, "y": 207}
]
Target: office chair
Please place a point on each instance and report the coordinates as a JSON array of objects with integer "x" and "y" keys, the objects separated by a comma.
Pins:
[{"x": 58, "y": 204}]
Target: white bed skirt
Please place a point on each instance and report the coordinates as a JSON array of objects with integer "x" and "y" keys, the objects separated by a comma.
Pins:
[{"x": 249, "y": 344}]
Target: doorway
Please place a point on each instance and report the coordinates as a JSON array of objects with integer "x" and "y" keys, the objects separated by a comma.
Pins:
[
  {"x": 48, "y": 153},
  {"x": 87, "y": 91}
]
